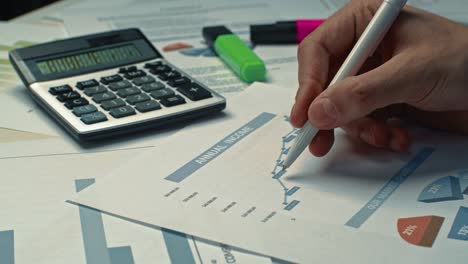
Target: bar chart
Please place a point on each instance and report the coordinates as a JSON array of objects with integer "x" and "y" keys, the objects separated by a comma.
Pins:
[
  {"x": 7, "y": 247},
  {"x": 95, "y": 243},
  {"x": 94, "y": 237},
  {"x": 278, "y": 171}
]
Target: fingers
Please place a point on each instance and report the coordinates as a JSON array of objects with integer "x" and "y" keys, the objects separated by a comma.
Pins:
[
  {"x": 371, "y": 131},
  {"x": 455, "y": 121},
  {"x": 321, "y": 51},
  {"x": 322, "y": 143},
  {"x": 379, "y": 134},
  {"x": 358, "y": 96},
  {"x": 313, "y": 65}
]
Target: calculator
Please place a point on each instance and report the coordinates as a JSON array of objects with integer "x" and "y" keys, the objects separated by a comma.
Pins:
[{"x": 111, "y": 83}]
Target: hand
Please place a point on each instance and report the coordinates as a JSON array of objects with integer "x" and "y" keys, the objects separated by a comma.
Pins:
[{"x": 419, "y": 73}]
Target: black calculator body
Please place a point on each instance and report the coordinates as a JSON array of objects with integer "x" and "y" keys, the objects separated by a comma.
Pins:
[{"x": 111, "y": 83}]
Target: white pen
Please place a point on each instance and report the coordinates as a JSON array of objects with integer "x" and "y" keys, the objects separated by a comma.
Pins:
[{"x": 364, "y": 47}]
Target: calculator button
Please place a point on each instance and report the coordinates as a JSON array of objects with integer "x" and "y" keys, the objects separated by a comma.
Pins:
[
  {"x": 60, "y": 89},
  {"x": 128, "y": 91},
  {"x": 119, "y": 85},
  {"x": 111, "y": 79},
  {"x": 172, "y": 100},
  {"x": 154, "y": 64},
  {"x": 86, "y": 84},
  {"x": 147, "y": 106},
  {"x": 178, "y": 82},
  {"x": 194, "y": 91},
  {"x": 137, "y": 98},
  {"x": 152, "y": 86},
  {"x": 135, "y": 74},
  {"x": 122, "y": 111},
  {"x": 127, "y": 69},
  {"x": 160, "y": 69},
  {"x": 93, "y": 118},
  {"x": 68, "y": 96},
  {"x": 169, "y": 75},
  {"x": 98, "y": 98},
  {"x": 143, "y": 80},
  {"x": 158, "y": 94},
  {"x": 95, "y": 90},
  {"x": 109, "y": 104},
  {"x": 85, "y": 109},
  {"x": 70, "y": 104}
]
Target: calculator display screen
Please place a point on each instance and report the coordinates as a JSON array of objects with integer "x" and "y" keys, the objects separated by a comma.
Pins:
[{"x": 90, "y": 59}]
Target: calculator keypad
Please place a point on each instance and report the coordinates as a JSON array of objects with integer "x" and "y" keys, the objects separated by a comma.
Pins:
[
  {"x": 143, "y": 80},
  {"x": 95, "y": 90},
  {"x": 111, "y": 79},
  {"x": 68, "y": 96},
  {"x": 122, "y": 111},
  {"x": 134, "y": 74},
  {"x": 134, "y": 99},
  {"x": 109, "y": 104},
  {"x": 160, "y": 94},
  {"x": 93, "y": 118},
  {"x": 172, "y": 100},
  {"x": 70, "y": 104},
  {"x": 85, "y": 109},
  {"x": 147, "y": 106},
  {"x": 60, "y": 89},
  {"x": 99, "y": 98},
  {"x": 119, "y": 85},
  {"x": 152, "y": 86},
  {"x": 86, "y": 84},
  {"x": 128, "y": 90}
]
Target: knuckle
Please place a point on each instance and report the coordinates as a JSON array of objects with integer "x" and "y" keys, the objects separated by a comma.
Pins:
[
  {"x": 305, "y": 45},
  {"x": 361, "y": 93}
]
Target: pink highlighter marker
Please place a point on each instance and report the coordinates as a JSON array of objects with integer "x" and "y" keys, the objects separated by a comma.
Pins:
[{"x": 283, "y": 32}]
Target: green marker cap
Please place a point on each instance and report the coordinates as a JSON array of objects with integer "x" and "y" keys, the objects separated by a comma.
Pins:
[{"x": 235, "y": 53}]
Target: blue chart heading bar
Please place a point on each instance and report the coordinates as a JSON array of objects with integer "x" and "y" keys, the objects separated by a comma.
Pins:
[
  {"x": 220, "y": 147},
  {"x": 382, "y": 195}
]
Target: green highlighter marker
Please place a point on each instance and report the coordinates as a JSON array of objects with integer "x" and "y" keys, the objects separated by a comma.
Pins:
[{"x": 235, "y": 53}]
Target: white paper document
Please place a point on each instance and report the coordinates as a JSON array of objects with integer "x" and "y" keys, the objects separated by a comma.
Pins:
[
  {"x": 223, "y": 182},
  {"x": 22, "y": 114},
  {"x": 37, "y": 226}
]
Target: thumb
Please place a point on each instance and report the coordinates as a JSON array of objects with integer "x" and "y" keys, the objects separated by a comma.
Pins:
[{"x": 357, "y": 96}]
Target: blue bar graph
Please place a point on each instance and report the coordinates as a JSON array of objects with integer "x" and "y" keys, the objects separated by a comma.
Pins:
[
  {"x": 92, "y": 229},
  {"x": 95, "y": 244},
  {"x": 121, "y": 255},
  {"x": 178, "y": 247},
  {"x": 291, "y": 205},
  {"x": 387, "y": 190},
  {"x": 292, "y": 191},
  {"x": 7, "y": 247},
  {"x": 279, "y": 174},
  {"x": 94, "y": 237},
  {"x": 219, "y": 148}
]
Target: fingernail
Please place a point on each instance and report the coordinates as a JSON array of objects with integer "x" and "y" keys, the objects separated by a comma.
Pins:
[{"x": 324, "y": 113}]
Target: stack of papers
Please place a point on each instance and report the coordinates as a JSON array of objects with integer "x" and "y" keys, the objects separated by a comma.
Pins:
[{"x": 213, "y": 192}]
